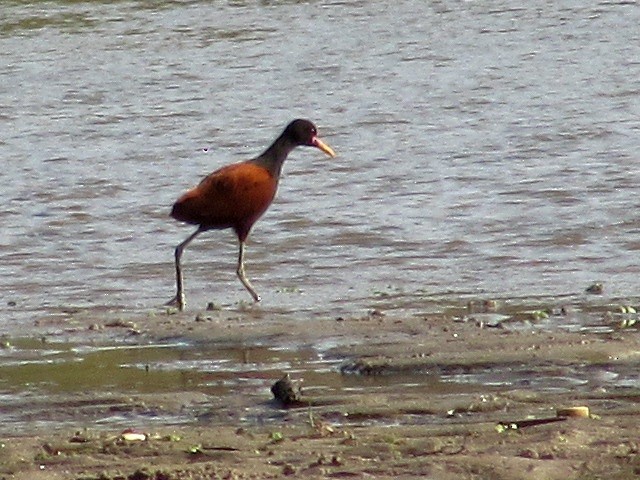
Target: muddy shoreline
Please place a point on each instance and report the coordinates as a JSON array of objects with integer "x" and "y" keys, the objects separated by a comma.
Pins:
[{"x": 396, "y": 407}]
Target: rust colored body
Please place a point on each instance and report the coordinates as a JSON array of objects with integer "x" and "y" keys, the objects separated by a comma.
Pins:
[
  {"x": 233, "y": 197},
  {"x": 237, "y": 195}
]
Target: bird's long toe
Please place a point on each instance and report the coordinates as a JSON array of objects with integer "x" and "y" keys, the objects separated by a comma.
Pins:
[{"x": 176, "y": 302}]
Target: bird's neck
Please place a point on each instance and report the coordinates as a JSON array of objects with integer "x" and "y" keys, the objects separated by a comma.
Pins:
[{"x": 274, "y": 156}]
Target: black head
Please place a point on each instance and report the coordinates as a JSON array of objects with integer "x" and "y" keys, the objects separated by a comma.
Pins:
[{"x": 303, "y": 132}]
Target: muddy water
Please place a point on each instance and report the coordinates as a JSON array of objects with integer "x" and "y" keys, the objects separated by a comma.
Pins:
[
  {"x": 58, "y": 384},
  {"x": 483, "y": 151}
]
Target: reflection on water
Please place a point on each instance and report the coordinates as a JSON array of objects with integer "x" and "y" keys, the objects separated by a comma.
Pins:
[
  {"x": 482, "y": 150},
  {"x": 50, "y": 385}
]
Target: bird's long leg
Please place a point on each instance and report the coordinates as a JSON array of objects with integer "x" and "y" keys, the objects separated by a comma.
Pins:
[
  {"x": 243, "y": 277},
  {"x": 179, "y": 299}
]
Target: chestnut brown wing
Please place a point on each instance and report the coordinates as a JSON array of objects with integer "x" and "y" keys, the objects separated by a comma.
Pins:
[{"x": 234, "y": 196}]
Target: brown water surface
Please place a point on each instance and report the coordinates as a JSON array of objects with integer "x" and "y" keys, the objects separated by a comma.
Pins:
[
  {"x": 487, "y": 155},
  {"x": 482, "y": 150}
]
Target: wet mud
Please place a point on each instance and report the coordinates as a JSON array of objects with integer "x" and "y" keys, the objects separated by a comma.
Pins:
[{"x": 472, "y": 391}]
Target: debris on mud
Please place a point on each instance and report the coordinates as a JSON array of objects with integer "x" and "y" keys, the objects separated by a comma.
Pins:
[{"x": 288, "y": 394}]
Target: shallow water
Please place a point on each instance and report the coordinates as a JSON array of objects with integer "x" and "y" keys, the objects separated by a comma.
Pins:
[
  {"x": 53, "y": 385},
  {"x": 482, "y": 150}
]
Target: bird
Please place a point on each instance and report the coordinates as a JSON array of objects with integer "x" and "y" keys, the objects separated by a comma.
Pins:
[{"x": 237, "y": 195}]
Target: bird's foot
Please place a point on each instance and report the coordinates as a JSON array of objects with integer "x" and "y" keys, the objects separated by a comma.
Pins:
[{"x": 177, "y": 301}]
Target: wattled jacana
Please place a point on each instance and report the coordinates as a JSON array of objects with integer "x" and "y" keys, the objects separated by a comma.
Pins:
[{"x": 237, "y": 195}]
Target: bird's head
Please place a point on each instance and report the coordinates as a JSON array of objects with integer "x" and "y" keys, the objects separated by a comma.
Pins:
[{"x": 303, "y": 132}]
